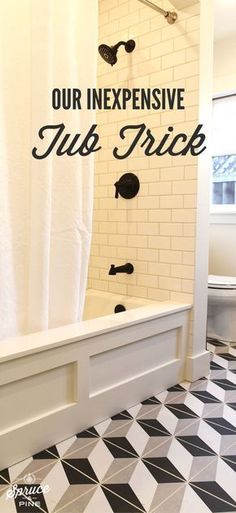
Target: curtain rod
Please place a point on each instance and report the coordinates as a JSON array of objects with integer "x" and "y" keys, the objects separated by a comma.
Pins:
[
  {"x": 171, "y": 17},
  {"x": 224, "y": 96}
]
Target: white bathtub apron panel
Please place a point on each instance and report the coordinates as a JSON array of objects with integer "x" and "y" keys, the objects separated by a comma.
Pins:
[{"x": 56, "y": 383}]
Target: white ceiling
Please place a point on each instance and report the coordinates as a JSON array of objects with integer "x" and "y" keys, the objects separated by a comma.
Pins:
[
  {"x": 225, "y": 19},
  {"x": 182, "y": 4}
]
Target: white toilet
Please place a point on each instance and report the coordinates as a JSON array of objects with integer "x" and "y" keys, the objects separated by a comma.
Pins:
[{"x": 221, "y": 321}]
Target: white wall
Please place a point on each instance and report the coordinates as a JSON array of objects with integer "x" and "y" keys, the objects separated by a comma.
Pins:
[
  {"x": 222, "y": 259},
  {"x": 225, "y": 65}
]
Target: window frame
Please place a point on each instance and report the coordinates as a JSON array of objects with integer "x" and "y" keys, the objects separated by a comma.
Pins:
[{"x": 228, "y": 210}]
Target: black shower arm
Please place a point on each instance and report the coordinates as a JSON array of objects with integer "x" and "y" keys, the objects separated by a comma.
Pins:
[
  {"x": 121, "y": 43},
  {"x": 170, "y": 16}
]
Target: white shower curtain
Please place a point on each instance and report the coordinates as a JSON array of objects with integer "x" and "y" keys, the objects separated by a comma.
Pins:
[{"x": 45, "y": 205}]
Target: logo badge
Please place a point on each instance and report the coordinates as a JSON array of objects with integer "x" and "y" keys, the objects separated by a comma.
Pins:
[{"x": 29, "y": 479}]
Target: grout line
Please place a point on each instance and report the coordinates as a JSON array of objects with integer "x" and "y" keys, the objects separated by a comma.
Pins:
[
  {"x": 6, "y": 481},
  {"x": 179, "y": 479},
  {"x": 231, "y": 371},
  {"x": 197, "y": 447},
  {"x": 123, "y": 415},
  {"x": 216, "y": 457},
  {"x": 212, "y": 495},
  {"x": 141, "y": 422},
  {"x": 80, "y": 472},
  {"x": 229, "y": 403},
  {"x": 177, "y": 395},
  {"x": 201, "y": 394},
  {"x": 141, "y": 457},
  {"x": 3, "y": 488},
  {"x": 232, "y": 388},
  {"x": 221, "y": 405},
  {"x": 228, "y": 376},
  {"x": 74, "y": 500},
  {"x": 155, "y": 400},
  {"x": 120, "y": 447},
  {"x": 160, "y": 404},
  {"x": 193, "y": 486},
  {"x": 231, "y": 358},
  {"x": 167, "y": 499},
  {"x": 78, "y": 449},
  {"x": 227, "y": 458},
  {"x": 157, "y": 447},
  {"x": 220, "y": 425},
  {"x": 198, "y": 419},
  {"x": 139, "y": 417},
  {"x": 172, "y": 406},
  {"x": 52, "y": 453},
  {"x": 132, "y": 463},
  {"x": 102, "y": 486},
  {"x": 152, "y": 408},
  {"x": 113, "y": 430},
  {"x": 120, "y": 497},
  {"x": 20, "y": 476},
  {"x": 91, "y": 433}
]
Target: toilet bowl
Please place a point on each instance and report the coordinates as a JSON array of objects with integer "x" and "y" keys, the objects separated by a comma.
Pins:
[{"x": 221, "y": 318}]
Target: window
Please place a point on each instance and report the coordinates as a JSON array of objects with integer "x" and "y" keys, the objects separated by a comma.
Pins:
[{"x": 224, "y": 153}]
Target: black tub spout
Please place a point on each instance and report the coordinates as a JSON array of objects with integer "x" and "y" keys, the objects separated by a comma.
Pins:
[{"x": 127, "y": 269}]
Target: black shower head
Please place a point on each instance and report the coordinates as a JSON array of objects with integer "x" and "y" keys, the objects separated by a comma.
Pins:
[{"x": 109, "y": 53}]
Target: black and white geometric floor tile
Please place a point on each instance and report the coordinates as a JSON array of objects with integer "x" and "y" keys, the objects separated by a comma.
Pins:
[{"x": 174, "y": 453}]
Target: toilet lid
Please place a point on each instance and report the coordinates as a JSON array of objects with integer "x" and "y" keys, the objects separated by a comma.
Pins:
[{"x": 221, "y": 282}]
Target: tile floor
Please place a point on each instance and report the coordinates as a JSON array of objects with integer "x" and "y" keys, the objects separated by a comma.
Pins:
[{"x": 173, "y": 453}]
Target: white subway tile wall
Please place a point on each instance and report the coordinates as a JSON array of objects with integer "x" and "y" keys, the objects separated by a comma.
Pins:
[{"x": 156, "y": 230}]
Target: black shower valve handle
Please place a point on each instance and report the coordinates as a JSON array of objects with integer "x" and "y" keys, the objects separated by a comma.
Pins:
[
  {"x": 117, "y": 190},
  {"x": 127, "y": 186}
]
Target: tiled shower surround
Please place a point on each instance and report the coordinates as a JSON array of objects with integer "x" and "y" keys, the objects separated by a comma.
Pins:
[{"x": 156, "y": 230}]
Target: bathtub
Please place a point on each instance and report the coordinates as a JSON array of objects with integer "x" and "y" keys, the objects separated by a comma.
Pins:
[
  {"x": 56, "y": 383},
  {"x": 99, "y": 304}
]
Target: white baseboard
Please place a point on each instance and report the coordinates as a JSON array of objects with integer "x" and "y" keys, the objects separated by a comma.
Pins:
[{"x": 197, "y": 366}]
